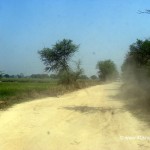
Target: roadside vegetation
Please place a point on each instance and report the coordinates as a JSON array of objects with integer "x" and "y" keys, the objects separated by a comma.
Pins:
[
  {"x": 136, "y": 72},
  {"x": 58, "y": 58},
  {"x": 107, "y": 70},
  {"x": 13, "y": 91}
]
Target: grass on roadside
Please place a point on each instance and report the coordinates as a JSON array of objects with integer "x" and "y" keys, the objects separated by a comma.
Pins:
[{"x": 20, "y": 90}]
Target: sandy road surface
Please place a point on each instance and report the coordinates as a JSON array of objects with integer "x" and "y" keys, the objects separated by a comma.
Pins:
[{"x": 89, "y": 119}]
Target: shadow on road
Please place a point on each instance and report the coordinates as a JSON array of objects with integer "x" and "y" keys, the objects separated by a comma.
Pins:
[{"x": 87, "y": 109}]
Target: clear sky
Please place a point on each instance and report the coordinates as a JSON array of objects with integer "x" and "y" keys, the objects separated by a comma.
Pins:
[{"x": 103, "y": 28}]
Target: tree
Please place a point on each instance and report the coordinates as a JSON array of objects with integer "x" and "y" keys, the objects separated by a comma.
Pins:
[
  {"x": 53, "y": 76},
  {"x": 93, "y": 77},
  {"x": 6, "y": 76},
  {"x": 137, "y": 61},
  {"x": 21, "y": 75},
  {"x": 70, "y": 76},
  {"x": 107, "y": 70},
  {"x": 57, "y": 57},
  {"x": 1, "y": 74}
]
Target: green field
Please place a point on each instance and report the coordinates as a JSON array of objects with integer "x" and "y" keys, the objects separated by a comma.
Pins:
[{"x": 14, "y": 91}]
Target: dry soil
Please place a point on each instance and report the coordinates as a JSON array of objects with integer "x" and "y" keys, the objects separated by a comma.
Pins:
[{"x": 88, "y": 119}]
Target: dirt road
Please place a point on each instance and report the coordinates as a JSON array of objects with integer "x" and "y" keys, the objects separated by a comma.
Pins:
[{"x": 88, "y": 119}]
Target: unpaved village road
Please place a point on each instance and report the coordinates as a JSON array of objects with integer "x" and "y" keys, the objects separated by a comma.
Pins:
[{"x": 88, "y": 119}]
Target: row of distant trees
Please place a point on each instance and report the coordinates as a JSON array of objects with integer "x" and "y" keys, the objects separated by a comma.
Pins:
[
  {"x": 4, "y": 75},
  {"x": 42, "y": 76}
]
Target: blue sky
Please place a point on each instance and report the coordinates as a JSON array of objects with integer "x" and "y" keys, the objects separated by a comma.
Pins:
[{"x": 103, "y": 28}]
